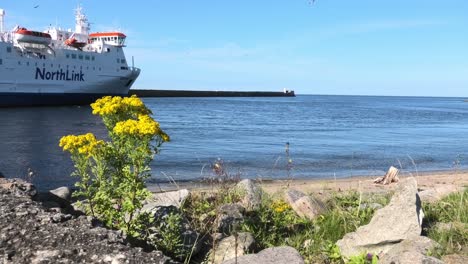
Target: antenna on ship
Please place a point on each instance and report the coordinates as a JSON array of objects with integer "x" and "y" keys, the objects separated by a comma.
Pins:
[
  {"x": 82, "y": 24},
  {"x": 2, "y": 15}
]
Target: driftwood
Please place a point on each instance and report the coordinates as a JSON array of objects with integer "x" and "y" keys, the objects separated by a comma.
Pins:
[{"x": 391, "y": 176}]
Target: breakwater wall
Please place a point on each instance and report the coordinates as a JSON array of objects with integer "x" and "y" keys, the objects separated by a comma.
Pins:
[{"x": 186, "y": 93}]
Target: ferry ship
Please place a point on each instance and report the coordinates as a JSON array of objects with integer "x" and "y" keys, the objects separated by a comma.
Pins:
[{"x": 61, "y": 67}]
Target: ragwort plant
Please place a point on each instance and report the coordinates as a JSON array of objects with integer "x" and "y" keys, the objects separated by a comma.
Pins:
[{"x": 112, "y": 173}]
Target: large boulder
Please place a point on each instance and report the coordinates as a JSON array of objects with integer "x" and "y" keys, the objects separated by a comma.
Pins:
[
  {"x": 251, "y": 194},
  {"x": 399, "y": 220},
  {"x": 274, "y": 255},
  {"x": 30, "y": 233},
  {"x": 414, "y": 249},
  {"x": 232, "y": 247},
  {"x": 228, "y": 216},
  {"x": 304, "y": 205}
]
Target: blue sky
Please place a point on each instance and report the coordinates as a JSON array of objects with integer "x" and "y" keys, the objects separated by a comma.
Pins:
[{"x": 361, "y": 47}]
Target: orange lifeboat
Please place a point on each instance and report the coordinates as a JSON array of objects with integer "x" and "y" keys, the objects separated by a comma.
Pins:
[
  {"x": 29, "y": 36},
  {"x": 73, "y": 42}
]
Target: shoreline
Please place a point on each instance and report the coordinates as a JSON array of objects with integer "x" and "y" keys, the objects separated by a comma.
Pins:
[{"x": 426, "y": 180}]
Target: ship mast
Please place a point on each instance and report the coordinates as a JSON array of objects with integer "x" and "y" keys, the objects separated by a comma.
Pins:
[
  {"x": 2, "y": 15},
  {"x": 82, "y": 24}
]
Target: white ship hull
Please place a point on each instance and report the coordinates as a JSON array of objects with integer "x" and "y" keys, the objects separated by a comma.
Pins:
[{"x": 59, "y": 75}]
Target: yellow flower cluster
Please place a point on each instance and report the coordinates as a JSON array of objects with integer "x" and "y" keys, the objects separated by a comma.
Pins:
[
  {"x": 280, "y": 206},
  {"x": 144, "y": 126},
  {"x": 113, "y": 104},
  {"x": 84, "y": 144}
]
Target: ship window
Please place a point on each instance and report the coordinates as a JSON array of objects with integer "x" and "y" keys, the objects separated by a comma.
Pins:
[
  {"x": 107, "y": 50},
  {"x": 73, "y": 56},
  {"x": 1, "y": 61},
  {"x": 8, "y": 49},
  {"x": 19, "y": 62},
  {"x": 123, "y": 61},
  {"x": 86, "y": 57},
  {"x": 67, "y": 55},
  {"x": 99, "y": 68},
  {"x": 118, "y": 60},
  {"x": 94, "y": 68},
  {"x": 92, "y": 58},
  {"x": 80, "y": 57}
]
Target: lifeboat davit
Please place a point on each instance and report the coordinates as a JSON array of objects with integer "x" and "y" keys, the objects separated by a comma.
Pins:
[
  {"x": 73, "y": 42},
  {"x": 29, "y": 36}
]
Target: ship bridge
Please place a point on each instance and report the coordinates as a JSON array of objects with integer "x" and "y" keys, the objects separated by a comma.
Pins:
[{"x": 110, "y": 38}]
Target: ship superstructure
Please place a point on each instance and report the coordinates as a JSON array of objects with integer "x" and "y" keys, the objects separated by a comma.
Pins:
[{"x": 60, "y": 66}]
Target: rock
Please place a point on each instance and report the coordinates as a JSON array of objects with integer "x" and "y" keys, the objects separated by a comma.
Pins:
[
  {"x": 228, "y": 216},
  {"x": 33, "y": 238},
  {"x": 399, "y": 220},
  {"x": 174, "y": 198},
  {"x": 252, "y": 194},
  {"x": 444, "y": 227},
  {"x": 62, "y": 192},
  {"x": 274, "y": 255},
  {"x": 1, "y": 175},
  {"x": 226, "y": 248},
  {"x": 18, "y": 187},
  {"x": 304, "y": 205},
  {"x": 415, "y": 249},
  {"x": 436, "y": 193},
  {"x": 455, "y": 259},
  {"x": 373, "y": 206}
]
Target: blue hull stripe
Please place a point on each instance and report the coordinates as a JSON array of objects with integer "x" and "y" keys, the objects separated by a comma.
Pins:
[{"x": 37, "y": 99}]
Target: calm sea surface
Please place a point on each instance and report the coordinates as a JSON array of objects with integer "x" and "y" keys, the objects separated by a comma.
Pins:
[{"x": 328, "y": 136}]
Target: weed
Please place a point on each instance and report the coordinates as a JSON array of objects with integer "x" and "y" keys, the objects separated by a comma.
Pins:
[{"x": 452, "y": 210}]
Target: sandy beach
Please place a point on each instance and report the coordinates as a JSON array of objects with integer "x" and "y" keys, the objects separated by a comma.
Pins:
[{"x": 446, "y": 180}]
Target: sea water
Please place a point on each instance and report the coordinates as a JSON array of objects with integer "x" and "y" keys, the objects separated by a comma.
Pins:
[{"x": 327, "y": 136}]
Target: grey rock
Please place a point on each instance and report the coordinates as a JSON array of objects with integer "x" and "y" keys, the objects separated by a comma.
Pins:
[
  {"x": 444, "y": 227},
  {"x": 414, "y": 249},
  {"x": 228, "y": 216},
  {"x": 18, "y": 187},
  {"x": 33, "y": 238},
  {"x": 174, "y": 198},
  {"x": 373, "y": 206},
  {"x": 455, "y": 259},
  {"x": 62, "y": 192},
  {"x": 252, "y": 194},
  {"x": 228, "y": 247},
  {"x": 437, "y": 192},
  {"x": 399, "y": 220},
  {"x": 304, "y": 205},
  {"x": 274, "y": 255}
]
